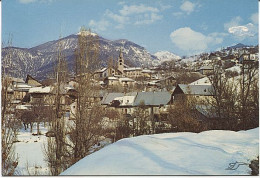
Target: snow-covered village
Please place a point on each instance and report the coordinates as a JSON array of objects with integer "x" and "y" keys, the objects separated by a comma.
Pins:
[{"x": 108, "y": 90}]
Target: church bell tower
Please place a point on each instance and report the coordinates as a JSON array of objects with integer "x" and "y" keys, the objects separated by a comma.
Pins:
[{"x": 120, "y": 65}]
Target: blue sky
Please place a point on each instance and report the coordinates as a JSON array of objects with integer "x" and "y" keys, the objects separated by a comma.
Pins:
[{"x": 183, "y": 27}]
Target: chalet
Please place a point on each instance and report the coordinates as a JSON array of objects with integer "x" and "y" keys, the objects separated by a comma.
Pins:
[
  {"x": 32, "y": 81},
  {"x": 200, "y": 92}
]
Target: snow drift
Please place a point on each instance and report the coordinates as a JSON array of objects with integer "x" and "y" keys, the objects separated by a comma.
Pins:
[{"x": 214, "y": 152}]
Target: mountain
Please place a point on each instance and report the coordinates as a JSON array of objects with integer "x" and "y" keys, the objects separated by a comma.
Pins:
[
  {"x": 239, "y": 45},
  {"x": 38, "y": 61},
  {"x": 166, "y": 56}
]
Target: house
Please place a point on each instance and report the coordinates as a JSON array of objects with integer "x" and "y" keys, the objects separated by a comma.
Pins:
[
  {"x": 248, "y": 57},
  {"x": 118, "y": 81},
  {"x": 133, "y": 72},
  {"x": 205, "y": 70},
  {"x": 41, "y": 95},
  {"x": 147, "y": 73},
  {"x": 111, "y": 81},
  {"x": 126, "y": 82},
  {"x": 200, "y": 92},
  {"x": 32, "y": 81},
  {"x": 155, "y": 101},
  {"x": 106, "y": 72},
  {"x": 214, "y": 56},
  {"x": 125, "y": 103},
  {"x": 17, "y": 90}
]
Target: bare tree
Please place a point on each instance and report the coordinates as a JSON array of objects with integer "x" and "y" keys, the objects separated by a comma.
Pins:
[
  {"x": 248, "y": 110},
  {"x": 57, "y": 153},
  {"x": 87, "y": 127},
  {"x": 182, "y": 116},
  {"x": 141, "y": 121},
  {"x": 8, "y": 128},
  {"x": 235, "y": 97}
]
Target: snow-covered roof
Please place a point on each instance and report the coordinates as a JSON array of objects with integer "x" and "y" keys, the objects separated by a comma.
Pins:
[
  {"x": 183, "y": 153},
  {"x": 23, "y": 107},
  {"x": 234, "y": 68},
  {"x": 203, "y": 90},
  {"x": 206, "y": 68},
  {"x": 153, "y": 98},
  {"x": 202, "y": 81},
  {"x": 132, "y": 68},
  {"x": 126, "y": 100},
  {"x": 125, "y": 79},
  {"x": 102, "y": 70},
  {"x": 22, "y": 87},
  {"x": 67, "y": 88},
  {"x": 18, "y": 80},
  {"x": 112, "y": 78},
  {"x": 40, "y": 90},
  {"x": 147, "y": 71},
  {"x": 109, "y": 97}
]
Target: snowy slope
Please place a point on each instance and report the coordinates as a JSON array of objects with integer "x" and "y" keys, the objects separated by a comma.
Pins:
[{"x": 206, "y": 153}]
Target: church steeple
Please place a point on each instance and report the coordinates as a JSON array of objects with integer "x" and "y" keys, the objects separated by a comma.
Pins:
[{"x": 120, "y": 64}]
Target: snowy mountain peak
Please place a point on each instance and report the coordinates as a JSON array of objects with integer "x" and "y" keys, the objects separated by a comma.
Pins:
[{"x": 166, "y": 56}]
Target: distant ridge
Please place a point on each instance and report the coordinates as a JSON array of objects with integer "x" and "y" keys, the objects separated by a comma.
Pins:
[{"x": 239, "y": 45}]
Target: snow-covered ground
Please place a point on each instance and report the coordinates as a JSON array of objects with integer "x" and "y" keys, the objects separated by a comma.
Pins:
[
  {"x": 30, "y": 152},
  {"x": 207, "y": 153}
]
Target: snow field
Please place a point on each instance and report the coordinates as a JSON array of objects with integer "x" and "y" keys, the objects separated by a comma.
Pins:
[{"x": 206, "y": 153}]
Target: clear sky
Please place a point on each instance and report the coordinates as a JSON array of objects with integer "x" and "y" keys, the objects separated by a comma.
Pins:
[{"x": 183, "y": 27}]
